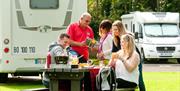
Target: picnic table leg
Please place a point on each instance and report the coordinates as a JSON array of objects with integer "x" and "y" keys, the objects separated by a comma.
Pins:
[
  {"x": 75, "y": 85},
  {"x": 54, "y": 85}
]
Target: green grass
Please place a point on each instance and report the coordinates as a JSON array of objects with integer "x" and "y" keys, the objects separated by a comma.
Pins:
[
  {"x": 162, "y": 81},
  {"x": 18, "y": 87},
  {"x": 16, "y": 84},
  {"x": 154, "y": 81}
]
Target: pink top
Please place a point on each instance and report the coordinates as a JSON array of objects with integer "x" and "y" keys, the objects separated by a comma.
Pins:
[{"x": 79, "y": 34}]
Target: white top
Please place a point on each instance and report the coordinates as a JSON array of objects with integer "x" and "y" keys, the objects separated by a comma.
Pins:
[
  {"x": 122, "y": 72},
  {"x": 107, "y": 46}
]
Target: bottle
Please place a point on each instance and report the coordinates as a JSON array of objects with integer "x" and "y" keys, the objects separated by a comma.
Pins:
[
  {"x": 48, "y": 60},
  {"x": 75, "y": 60},
  {"x": 101, "y": 63}
]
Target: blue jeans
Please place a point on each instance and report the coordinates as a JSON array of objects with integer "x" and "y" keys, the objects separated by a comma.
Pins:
[
  {"x": 141, "y": 82},
  {"x": 45, "y": 83}
]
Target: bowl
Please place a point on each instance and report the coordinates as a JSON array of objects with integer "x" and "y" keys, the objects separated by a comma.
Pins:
[{"x": 61, "y": 59}]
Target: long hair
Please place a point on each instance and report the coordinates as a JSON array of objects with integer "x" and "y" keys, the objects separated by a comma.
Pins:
[
  {"x": 121, "y": 30},
  {"x": 129, "y": 39}
]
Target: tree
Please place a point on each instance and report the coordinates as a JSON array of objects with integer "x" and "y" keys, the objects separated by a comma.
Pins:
[
  {"x": 114, "y": 9},
  {"x": 172, "y": 6},
  {"x": 105, "y": 7}
]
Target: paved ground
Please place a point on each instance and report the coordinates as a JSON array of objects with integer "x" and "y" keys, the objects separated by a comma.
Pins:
[
  {"x": 170, "y": 65},
  {"x": 161, "y": 67}
]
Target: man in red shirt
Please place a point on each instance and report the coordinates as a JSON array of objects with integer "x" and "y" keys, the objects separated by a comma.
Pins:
[{"x": 79, "y": 32}]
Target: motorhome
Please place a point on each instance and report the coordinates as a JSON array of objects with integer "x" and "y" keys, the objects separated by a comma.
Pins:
[
  {"x": 26, "y": 29},
  {"x": 157, "y": 34}
]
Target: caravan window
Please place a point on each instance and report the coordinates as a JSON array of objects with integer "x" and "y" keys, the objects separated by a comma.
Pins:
[
  {"x": 159, "y": 30},
  {"x": 170, "y": 30},
  {"x": 44, "y": 4}
]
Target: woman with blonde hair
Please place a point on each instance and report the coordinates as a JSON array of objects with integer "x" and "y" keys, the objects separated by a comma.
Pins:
[
  {"x": 127, "y": 61},
  {"x": 118, "y": 30}
]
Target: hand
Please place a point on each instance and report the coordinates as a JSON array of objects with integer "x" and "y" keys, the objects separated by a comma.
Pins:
[
  {"x": 82, "y": 44},
  {"x": 122, "y": 59},
  {"x": 112, "y": 63},
  {"x": 114, "y": 56},
  {"x": 100, "y": 55},
  {"x": 93, "y": 41}
]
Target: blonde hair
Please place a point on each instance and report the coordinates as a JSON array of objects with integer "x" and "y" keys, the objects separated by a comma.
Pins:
[
  {"x": 121, "y": 30},
  {"x": 130, "y": 43}
]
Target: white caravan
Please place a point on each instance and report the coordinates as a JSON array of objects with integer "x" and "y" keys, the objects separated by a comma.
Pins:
[
  {"x": 26, "y": 29},
  {"x": 157, "y": 34}
]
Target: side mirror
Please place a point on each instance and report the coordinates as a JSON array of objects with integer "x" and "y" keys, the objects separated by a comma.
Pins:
[{"x": 136, "y": 35}]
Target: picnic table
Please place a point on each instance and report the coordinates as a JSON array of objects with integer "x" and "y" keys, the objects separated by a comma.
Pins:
[{"x": 73, "y": 74}]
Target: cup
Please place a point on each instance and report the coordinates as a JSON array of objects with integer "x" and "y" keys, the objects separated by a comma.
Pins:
[
  {"x": 101, "y": 63},
  {"x": 89, "y": 62}
]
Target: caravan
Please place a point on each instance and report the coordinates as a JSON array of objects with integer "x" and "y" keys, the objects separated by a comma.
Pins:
[
  {"x": 157, "y": 34},
  {"x": 26, "y": 29}
]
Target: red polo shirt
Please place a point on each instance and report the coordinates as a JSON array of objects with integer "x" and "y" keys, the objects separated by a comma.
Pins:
[{"x": 79, "y": 34}]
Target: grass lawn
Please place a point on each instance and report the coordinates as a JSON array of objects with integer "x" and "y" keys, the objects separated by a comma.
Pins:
[
  {"x": 154, "y": 81},
  {"x": 16, "y": 84},
  {"x": 162, "y": 81}
]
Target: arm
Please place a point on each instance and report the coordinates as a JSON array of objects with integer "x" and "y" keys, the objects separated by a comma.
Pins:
[
  {"x": 71, "y": 32},
  {"x": 132, "y": 62},
  {"x": 115, "y": 55},
  {"x": 74, "y": 43},
  {"x": 109, "y": 45}
]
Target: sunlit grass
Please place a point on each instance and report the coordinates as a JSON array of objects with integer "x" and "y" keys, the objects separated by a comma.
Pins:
[{"x": 162, "y": 81}]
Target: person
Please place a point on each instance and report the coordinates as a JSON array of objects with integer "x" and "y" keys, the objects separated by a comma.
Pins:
[
  {"x": 127, "y": 60},
  {"x": 118, "y": 30},
  {"x": 105, "y": 43},
  {"x": 58, "y": 48},
  {"x": 79, "y": 32}
]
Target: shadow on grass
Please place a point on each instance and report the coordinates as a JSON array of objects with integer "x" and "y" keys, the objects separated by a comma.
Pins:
[{"x": 17, "y": 84}]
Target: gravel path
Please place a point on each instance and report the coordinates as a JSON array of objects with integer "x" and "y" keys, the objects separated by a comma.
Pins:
[{"x": 161, "y": 67}]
